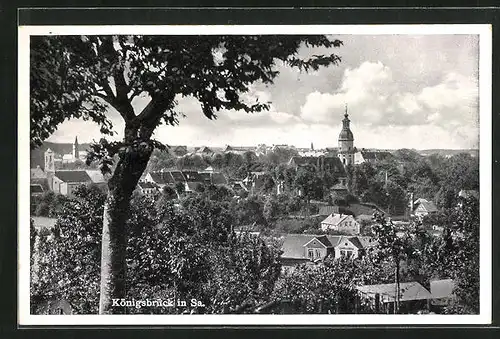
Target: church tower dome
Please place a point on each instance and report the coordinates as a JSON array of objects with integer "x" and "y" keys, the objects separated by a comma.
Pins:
[{"x": 346, "y": 141}]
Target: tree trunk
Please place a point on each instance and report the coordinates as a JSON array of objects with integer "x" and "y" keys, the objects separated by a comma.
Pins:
[
  {"x": 129, "y": 169},
  {"x": 398, "y": 292}
]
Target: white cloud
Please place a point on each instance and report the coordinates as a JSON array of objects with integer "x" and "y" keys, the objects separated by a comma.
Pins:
[{"x": 401, "y": 91}]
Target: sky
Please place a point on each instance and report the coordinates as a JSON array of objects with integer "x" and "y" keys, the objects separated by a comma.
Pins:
[{"x": 401, "y": 91}]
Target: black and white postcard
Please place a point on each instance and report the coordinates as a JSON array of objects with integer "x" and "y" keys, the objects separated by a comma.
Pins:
[{"x": 254, "y": 175}]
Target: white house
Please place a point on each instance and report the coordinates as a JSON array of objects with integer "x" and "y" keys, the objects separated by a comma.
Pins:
[{"x": 342, "y": 223}]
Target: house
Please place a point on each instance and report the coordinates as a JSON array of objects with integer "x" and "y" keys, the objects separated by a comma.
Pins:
[
  {"x": 65, "y": 182},
  {"x": 321, "y": 164},
  {"x": 161, "y": 179},
  {"x": 422, "y": 207},
  {"x": 204, "y": 150},
  {"x": 238, "y": 149},
  {"x": 307, "y": 248},
  {"x": 342, "y": 223},
  {"x": 442, "y": 294},
  {"x": 381, "y": 298},
  {"x": 468, "y": 194},
  {"x": 303, "y": 248},
  {"x": 371, "y": 156},
  {"x": 192, "y": 181},
  {"x": 148, "y": 188},
  {"x": 339, "y": 190},
  {"x": 37, "y": 173},
  {"x": 327, "y": 210},
  {"x": 36, "y": 189},
  {"x": 43, "y": 222}
]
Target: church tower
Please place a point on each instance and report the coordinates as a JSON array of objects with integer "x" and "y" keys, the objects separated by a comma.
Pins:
[
  {"x": 346, "y": 142},
  {"x": 75, "y": 149},
  {"x": 49, "y": 166}
]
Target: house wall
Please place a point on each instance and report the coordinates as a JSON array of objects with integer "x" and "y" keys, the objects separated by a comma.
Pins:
[
  {"x": 420, "y": 211},
  {"x": 349, "y": 225},
  {"x": 63, "y": 188},
  {"x": 56, "y": 184},
  {"x": 317, "y": 248},
  {"x": 346, "y": 245}
]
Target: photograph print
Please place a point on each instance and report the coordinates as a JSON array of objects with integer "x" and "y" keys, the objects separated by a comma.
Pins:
[{"x": 241, "y": 172}]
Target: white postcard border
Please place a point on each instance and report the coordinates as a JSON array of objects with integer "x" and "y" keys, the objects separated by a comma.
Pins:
[{"x": 485, "y": 92}]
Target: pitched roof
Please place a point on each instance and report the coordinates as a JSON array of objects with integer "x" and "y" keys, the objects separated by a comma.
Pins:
[
  {"x": 192, "y": 176},
  {"x": 293, "y": 244},
  {"x": 192, "y": 185},
  {"x": 327, "y": 210},
  {"x": 96, "y": 176},
  {"x": 205, "y": 177},
  {"x": 468, "y": 193},
  {"x": 177, "y": 176},
  {"x": 429, "y": 206},
  {"x": 44, "y": 222},
  {"x": 366, "y": 241},
  {"x": 355, "y": 241},
  {"x": 442, "y": 288},
  {"x": 40, "y": 181},
  {"x": 36, "y": 188},
  {"x": 331, "y": 164},
  {"x": 147, "y": 184},
  {"x": 162, "y": 178},
  {"x": 334, "y": 219},
  {"x": 73, "y": 176},
  {"x": 409, "y": 291},
  {"x": 218, "y": 179},
  {"x": 37, "y": 173}
]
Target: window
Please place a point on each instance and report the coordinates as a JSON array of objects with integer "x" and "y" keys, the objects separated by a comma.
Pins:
[
  {"x": 342, "y": 253},
  {"x": 317, "y": 253},
  {"x": 349, "y": 254},
  {"x": 310, "y": 253}
]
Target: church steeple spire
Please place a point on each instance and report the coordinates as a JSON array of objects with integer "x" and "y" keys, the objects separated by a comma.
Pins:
[
  {"x": 76, "y": 152},
  {"x": 346, "y": 141}
]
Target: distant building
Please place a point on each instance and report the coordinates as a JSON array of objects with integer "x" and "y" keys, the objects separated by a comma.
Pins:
[
  {"x": 342, "y": 223},
  {"x": 422, "y": 207},
  {"x": 303, "y": 248},
  {"x": 65, "y": 182},
  {"x": 413, "y": 297},
  {"x": 468, "y": 194},
  {"x": 36, "y": 189},
  {"x": 371, "y": 156},
  {"x": 37, "y": 173},
  {"x": 321, "y": 164},
  {"x": 238, "y": 149},
  {"x": 148, "y": 188},
  {"x": 191, "y": 180},
  {"x": 204, "y": 150},
  {"x": 442, "y": 294}
]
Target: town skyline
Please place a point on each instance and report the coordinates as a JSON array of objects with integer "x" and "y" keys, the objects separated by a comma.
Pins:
[{"x": 422, "y": 96}]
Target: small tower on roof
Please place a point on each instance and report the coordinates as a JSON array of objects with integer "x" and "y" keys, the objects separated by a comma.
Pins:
[
  {"x": 346, "y": 141},
  {"x": 76, "y": 151}
]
